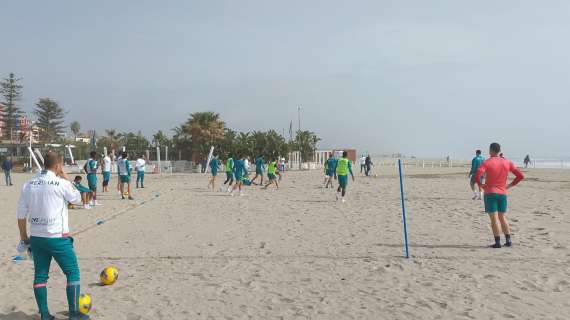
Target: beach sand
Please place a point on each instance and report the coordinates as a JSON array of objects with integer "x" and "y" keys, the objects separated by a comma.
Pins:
[{"x": 184, "y": 252}]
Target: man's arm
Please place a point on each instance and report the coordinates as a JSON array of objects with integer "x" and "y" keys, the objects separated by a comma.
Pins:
[
  {"x": 22, "y": 213},
  {"x": 519, "y": 176},
  {"x": 350, "y": 169}
]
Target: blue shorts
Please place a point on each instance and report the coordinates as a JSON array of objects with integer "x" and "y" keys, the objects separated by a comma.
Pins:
[
  {"x": 214, "y": 173},
  {"x": 343, "y": 181},
  {"x": 259, "y": 172},
  {"x": 495, "y": 202},
  {"x": 330, "y": 173}
]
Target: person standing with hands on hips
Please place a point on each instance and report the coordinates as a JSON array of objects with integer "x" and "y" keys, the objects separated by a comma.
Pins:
[
  {"x": 43, "y": 203},
  {"x": 496, "y": 170}
]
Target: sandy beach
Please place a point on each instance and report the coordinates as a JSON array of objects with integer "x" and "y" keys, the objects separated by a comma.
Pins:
[{"x": 184, "y": 252}]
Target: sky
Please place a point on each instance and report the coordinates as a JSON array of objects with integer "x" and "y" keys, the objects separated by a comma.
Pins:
[{"x": 425, "y": 78}]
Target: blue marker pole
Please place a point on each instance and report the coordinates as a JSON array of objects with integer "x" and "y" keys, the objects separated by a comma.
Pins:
[{"x": 403, "y": 209}]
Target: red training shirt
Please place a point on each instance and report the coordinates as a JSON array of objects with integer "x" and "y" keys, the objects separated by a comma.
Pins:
[{"x": 496, "y": 171}]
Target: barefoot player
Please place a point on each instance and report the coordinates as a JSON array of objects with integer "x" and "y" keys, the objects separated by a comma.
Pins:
[{"x": 496, "y": 170}]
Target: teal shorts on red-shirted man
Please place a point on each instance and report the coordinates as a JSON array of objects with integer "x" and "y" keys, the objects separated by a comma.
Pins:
[{"x": 495, "y": 202}]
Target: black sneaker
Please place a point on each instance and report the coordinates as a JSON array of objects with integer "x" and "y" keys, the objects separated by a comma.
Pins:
[
  {"x": 509, "y": 244},
  {"x": 48, "y": 317},
  {"x": 495, "y": 246},
  {"x": 79, "y": 316}
]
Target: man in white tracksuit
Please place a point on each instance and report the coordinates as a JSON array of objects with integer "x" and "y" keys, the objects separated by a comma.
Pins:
[{"x": 43, "y": 203}]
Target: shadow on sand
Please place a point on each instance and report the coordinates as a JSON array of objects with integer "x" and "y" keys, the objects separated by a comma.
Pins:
[{"x": 17, "y": 316}]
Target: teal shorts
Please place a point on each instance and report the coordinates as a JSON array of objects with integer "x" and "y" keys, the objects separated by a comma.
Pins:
[
  {"x": 330, "y": 173},
  {"x": 126, "y": 179},
  {"x": 92, "y": 181},
  {"x": 229, "y": 175},
  {"x": 271, "y": 176},
  {"x": 214, "y": 173},
  {"x": 106, "y": 176},
  {"x": 495, "y": 202},
  {"x": 343, "y": 181}
]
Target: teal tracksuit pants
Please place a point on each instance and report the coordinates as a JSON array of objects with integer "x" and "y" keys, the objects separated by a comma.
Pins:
[{"x": 61, "y": 250}]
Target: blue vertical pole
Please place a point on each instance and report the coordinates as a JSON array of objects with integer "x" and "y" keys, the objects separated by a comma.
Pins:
[{"x": 403, "y": 209}]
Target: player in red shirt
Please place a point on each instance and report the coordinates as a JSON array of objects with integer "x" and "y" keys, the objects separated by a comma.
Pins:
[{"x": 496, "y": 170}]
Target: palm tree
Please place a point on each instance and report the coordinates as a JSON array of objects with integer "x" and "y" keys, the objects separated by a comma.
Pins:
[
  {"x": 112, "y": 139},
  {"x": 75, "y": 128},
  {"x": 204, "y": 129}
]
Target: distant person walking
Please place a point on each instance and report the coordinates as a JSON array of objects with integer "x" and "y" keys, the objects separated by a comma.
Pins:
[
  {"x": 7, "y": 167},
  {"x": 343, "y": 168},
  {"x": 106, "y": 171},
  {"x": 124, "y": 168},
  {"x": 527, "y": 161},
  {"x": 91, "y": 168},
  {"x": 475, "y": 164},
  {"x": 140, "y": 167},
  {"x": 43, "y": 203},
  {"x": 330, "y": 169},
  {"x": 362, "y": 162},
  {"x": 496, "y": 170},
  {"x": 214, "y": 167},
  {"x": 368, "y": 165}
]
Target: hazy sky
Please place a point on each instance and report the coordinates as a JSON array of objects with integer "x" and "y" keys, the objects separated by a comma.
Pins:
[{"x": 428, "y": 78}]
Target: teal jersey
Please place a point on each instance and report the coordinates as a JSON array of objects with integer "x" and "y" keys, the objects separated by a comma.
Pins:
[
  {"x": 239, "y": 168},
  {"x": 214, "y": 165},
  {"x": 475, "y": 164},
  {"x": 91, "y": 166},
  {"x": 330, "y": 164},
  {"x": 259, "y": 164}
]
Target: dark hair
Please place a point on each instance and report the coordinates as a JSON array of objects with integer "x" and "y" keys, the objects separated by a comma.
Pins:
[
  {"x": 51, "y": 159},
  {"x": 344, "y": 154},
  {"x": 77, "y": 178},
  {"x": 124, "y": 155},
  {"x": 93, "y": 154},
  {"x": 495, "y": 147},
  {"x": 478, "y": 152}
]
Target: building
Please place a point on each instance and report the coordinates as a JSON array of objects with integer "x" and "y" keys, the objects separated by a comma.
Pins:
[
  {"x": 19, "y": 134},
  {"x": 2, "y": 112}
]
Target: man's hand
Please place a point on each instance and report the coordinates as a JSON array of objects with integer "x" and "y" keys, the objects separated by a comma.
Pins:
[
  {"x": 509, "y": 186},
  {"x": 22, "y": 226},
  {"x": 352, "y": 178}
]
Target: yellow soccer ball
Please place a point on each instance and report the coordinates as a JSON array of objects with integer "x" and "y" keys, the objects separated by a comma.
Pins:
[
  {"x": 84, "y": 303},
  {"x": 109, "y": 276}
]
